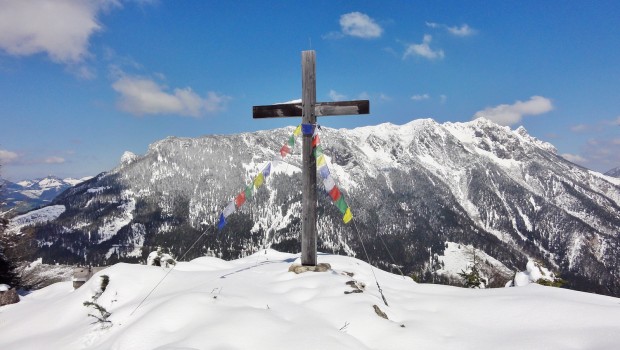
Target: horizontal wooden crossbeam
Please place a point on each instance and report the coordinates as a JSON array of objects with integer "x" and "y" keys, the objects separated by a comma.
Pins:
[{"x": 286, "y": 110}]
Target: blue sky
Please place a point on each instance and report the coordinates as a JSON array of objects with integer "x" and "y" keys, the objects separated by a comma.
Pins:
[{"x": 83, "y": 81}]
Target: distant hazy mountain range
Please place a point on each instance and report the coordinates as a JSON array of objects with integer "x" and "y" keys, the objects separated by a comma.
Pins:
[
  {"x": 615, "y": 172},
  {"x": 420, "y": 193},
  {"x": 22, "y": 196}
]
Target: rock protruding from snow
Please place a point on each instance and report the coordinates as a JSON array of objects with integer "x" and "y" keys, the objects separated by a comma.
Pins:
[
  {"x": 8, "y": 296},
  {"x": 533, "y": 273}
]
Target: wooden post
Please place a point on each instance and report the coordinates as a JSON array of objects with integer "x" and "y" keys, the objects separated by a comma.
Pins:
[
  {"x": 309, "y": 198},
  {"x": 309, "y": 109}
]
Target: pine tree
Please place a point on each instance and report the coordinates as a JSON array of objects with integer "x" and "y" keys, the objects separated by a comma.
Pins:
[
  {"x": 472, "y": 278},
  {"x": 8, "y": 273}
]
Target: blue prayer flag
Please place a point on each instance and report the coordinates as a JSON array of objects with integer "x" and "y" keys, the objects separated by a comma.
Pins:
[
  {"x": 324, "y": 171},
  {"x": 307, "y": 129},
  {"x": 220, "y": 226}
]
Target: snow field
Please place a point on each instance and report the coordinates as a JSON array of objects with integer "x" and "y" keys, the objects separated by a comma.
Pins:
[{"x": 255, "y": 303}]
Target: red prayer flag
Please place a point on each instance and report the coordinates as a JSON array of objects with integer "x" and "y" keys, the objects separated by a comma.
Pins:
[
  {"x": 315, "y": 140},
  {"x": 284, "y": 151},
  {"x": 240, "y": 199},
  {"x": 334, "y": 193}
]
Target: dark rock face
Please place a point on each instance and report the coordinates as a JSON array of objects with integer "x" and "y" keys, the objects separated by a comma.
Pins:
[{"x": 411, "y": 188}]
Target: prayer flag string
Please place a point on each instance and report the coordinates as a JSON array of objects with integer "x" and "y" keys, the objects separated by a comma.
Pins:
[{"x": 321, "y": 161}]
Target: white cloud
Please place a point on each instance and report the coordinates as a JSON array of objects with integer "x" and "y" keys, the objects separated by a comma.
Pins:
[
  {"x": 423, "y": 50},
  {"x": 59, "y": 28},
  {"x": 54, "y": 160},
  {"x": 384, "y": 97},
  {"x": 142, "y": 96},
  {"x": 359, "y": 25},
  {"x": 363, "y": 96},
  {"x": 420, "y": 97},
  {"x": 335, "y": 96},
  {"x": 463, "y": 30},
  {"x": 579, "y": 128},
  {"x": 575, "y": 158},
  {"x": 7, "y": 157},
  {"x": 511, "y": 114}
]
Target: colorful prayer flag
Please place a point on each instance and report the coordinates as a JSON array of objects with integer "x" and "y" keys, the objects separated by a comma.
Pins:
[
  {"x": 258, "y": 180},
  {"x": 284, "y": 151},
  {"x": 315, "y": 140},
  {"x": 307, "y": 129},
  {"x": 230, "y": 208},
  {"x": 329, "y": 183},
  {"x": 324, "y": 171},
  {"x": 297, "y": 130},
  {"x": 240, "y": 199},
  {"x": 267, "y": 170},
  {"x": 342, "y": 205},
  {"x": 291, "y": 141},
  {"x": 318, "y": 151},
  {"x": 320, "y": 161},
  {"x": 249, "y": 191},
  {"x": 347, "y": 216},
  {"x": 334, "y": 193},
  {"x": 222, "y": 222}
]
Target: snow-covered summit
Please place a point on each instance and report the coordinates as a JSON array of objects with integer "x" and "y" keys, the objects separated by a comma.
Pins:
[
  {"x": 255, "y": 303},
  {"x": 128, "y": 158}
]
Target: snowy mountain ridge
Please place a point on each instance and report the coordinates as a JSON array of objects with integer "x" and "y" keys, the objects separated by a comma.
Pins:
[
  {"x": 24, "y": 195},
  {"x": 412, "y": 188}
]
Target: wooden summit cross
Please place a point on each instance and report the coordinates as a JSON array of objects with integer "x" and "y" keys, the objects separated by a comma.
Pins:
[{"x": 309, "y": 109}]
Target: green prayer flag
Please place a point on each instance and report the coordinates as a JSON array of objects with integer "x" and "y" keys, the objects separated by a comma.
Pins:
[
  {"x": 291, "y": 141},
  {"x": 318, "y": 151},
  {"x": 249, "y": 190},
  {"x": 342, "y": 205}
]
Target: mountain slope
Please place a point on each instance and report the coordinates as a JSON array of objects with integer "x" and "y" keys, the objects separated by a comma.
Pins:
[
  {"x": 255, "y": 303},
  {"x": 412, "y": 189}
]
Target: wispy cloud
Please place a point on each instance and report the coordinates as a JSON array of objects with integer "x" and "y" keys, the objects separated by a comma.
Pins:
[
  {"x": 143, "y": 96},
  {"x": 7, "y": 157},
  {"x": 385, "y": 97},
  {"x": 575, "y": 158},
  {"x": 420, "y": 97},
  {"x": 579, "y": 128},
  {"x": 443, "y": 99},
  {"x": 54, "y": 160},
  {"x": 423, "y": 49},
  {"x": 336, "y": 96},
  {"x": 511, "y": 114},
  {"x": 358, "y": 25},
  {"x": 462, "y": 31}
]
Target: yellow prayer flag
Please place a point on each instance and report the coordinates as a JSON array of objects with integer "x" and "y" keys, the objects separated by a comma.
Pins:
[
  {"x": 297, "y": 131},
  {"x": 320, "y": 161},
  {"x": 347, "y": 216},
  {"x": 258, "y": 181}
]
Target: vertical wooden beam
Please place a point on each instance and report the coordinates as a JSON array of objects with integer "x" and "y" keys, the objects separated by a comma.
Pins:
[{"x": 309, "y": 196}]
